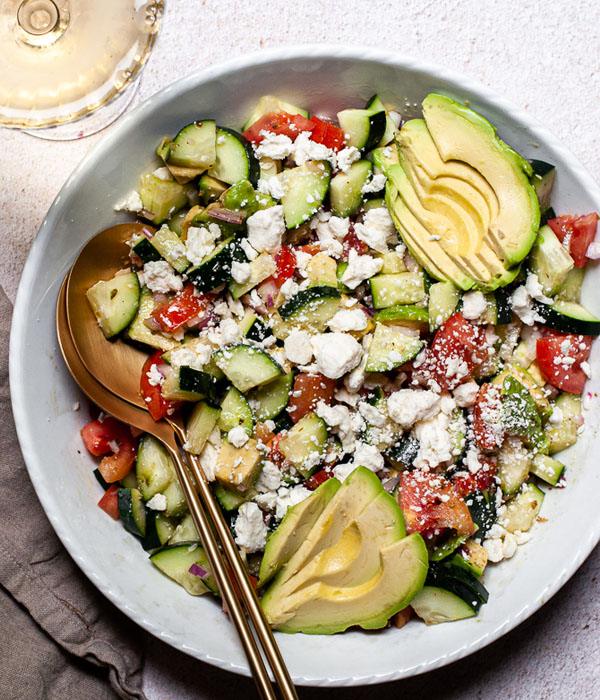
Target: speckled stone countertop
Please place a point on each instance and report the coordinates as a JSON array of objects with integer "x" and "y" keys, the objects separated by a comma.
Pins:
[{"x": 543, "y": 56}]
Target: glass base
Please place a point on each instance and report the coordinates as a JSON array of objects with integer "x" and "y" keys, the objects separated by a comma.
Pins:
[{"x": 92, "y": 123}]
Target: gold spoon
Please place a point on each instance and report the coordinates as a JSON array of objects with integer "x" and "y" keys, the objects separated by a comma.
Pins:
[
  {"x": 142, "y": 420},
  {"x": 117, "y": 365}
]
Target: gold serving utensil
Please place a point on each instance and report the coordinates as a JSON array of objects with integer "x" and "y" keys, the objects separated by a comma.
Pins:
[{"x": 117, "y": 366}]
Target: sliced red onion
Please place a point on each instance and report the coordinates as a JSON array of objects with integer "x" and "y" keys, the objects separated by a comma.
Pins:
[
  {"x": 147, "y": 232},
  {"x": 152, "y": 324},
  {"x": 197, "y": 570},
  {"x": 593, "y": 250},
  {"x": 390, "y": 484},
  {"x": 231, "y": 217},
  {"x": 159, "y": 298},
  {"x": 146, "y": 214}
]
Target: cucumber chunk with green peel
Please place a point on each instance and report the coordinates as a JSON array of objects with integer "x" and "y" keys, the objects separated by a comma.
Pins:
[
  {"x": 185, "y": 531},
  {"x": 210, "y": 188},
  {"x": 514, "y": 465},
  {"x": 519, "y": 415},
  {"x": 434, "y": 605},
  {"x": 247, "y": 367},
  {"x": 195, "y": 146},
  {"x": 569, "y": 317},
  {"x": 176, "y": 503},
  {"x": 260, "y": 268},
  {"x": 158, "y": 530},
  {"x": 162, "y": 198},
  {"x": 547, "y": 469},
  {"x": 270, "y": 103},
  {"x": 269, "y": 400},
  {"x": 345, "y": 190},
  {"x": 153, "y": 467},
  {"x": 403, "y": 314},
  {"x": 443, "y": 300},
  {"x": 401, "y": 288},
  {"x": 384, "y": 157},
  {"x": 200, "y": 424},
  {"x": 176, "y": 562},
  {"x": 523, "y": 509},
  {"x": 169, "y": 246},
  {"x": 132, "y": 511},
  {"x": 390, "y": 348},
  {"x": 172, "y": 390},
  {"x": 550, "y": 261},
  {"x": 364, "y": 128},
  {"x": 115, "y": 302},
  {"x": 145, "y": 251},
  {"x": 482, "y": 506},
  {"x": 571, "y": 288},
  {"x": 305, "y": 443},
  {"x": 235, "y": 159},
  {"x": 376, "y": 105},
  {"x": 196, "y": 381},
  {"x": 542, "y": 179},
  {"x": 311, "y": 308},
  {"x": 229, "y": 500},
  {"x": 139, "y": 331},
  {"x": 305, "y": 189},
  {"x": 564, "y": 435},
  {"x": 235, "y": 412},
  {"x": 215, "y": 268}
]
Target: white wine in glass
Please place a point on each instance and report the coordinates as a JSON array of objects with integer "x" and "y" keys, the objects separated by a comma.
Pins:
[{"x": 61, "y": 60}]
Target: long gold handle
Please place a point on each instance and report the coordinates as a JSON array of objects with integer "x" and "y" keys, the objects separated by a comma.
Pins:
[{"x": 222, "y": 577}]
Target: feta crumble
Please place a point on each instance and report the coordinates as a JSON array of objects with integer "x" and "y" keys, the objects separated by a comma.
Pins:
[
  {"x": 160, "y": 277},
  {"x": 408, "y": 406},
  {"x": 155, "y": 378},
  {"x": 200, "y": 242},
  {"x": 348, "y": 320},
  {"x": 157, "y": 502},
  {"x": 275, "y": 146},
  {"x": 240, "y": 271},
  {"x": 375, "y": 184},
  {"x": 163, "y": 174},
  {"x": 304, "y": 149},
  {"x": 265, "y": 229},
  {"x": 346, "y": 157},
  {"x": 474, "y": 305},
  {"x": 331, "y": 233},
  {"x": 336, "y": 354},
  {"x": 237, "y": 436},
  {"x": 298, "y": 348},
  {"x": 250, "y": 528},
  {"x": 132, "y": 202},
  {"x": 271, "y": 186},
  {"x": 360, "y": 268}
]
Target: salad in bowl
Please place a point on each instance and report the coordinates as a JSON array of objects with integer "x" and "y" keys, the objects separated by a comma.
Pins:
[{"x": 373, "y": 328}]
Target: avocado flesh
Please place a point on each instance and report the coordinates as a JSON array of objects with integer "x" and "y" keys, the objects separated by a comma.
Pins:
[
  {"x": 356, "y": 566},
  {"x": 461, "y": 134},
  {"x": 293, "y": 530}
]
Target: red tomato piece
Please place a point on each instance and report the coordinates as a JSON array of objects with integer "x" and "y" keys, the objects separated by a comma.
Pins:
[
  {"x": 278, "y": 123},
  {"x": 124, "y": 448},
  {"x": 310, "y": 248},
  {"x": 183, "y": 307},
  {"x": 318, "y": 478},
  {"x": 559, "y": 358},
  {"x": 109, "y": 502},
  {"x": 457, "y": 347},
  {"x": 285, "y": 259},
  {"x": 576, "y": 233},
  {"x": 430, "y": 504},
  {"x": 486, "y": 417},
  {"x": 465, "y": 482},
  {"x": 326, "y": 133},
  {"x": 97, "y": 436},
  {"x": 352, "y": 242},
  {"x": 152, "y": 394},
  {"x": 273, "y": 453},
  {"x": 307, "y": 391}
]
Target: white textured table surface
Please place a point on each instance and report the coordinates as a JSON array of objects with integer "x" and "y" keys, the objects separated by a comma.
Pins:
[{"x": 541, "y": 55}]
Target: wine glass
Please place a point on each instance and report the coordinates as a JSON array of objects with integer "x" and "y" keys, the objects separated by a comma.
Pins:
[{"x": 61, "y": 60}]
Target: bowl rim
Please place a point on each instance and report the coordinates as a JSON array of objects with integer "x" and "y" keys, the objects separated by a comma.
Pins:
[{"x": 19, "y": 404}]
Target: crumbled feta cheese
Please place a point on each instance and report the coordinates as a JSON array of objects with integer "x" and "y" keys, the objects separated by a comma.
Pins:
[
  {"x": 456, "y": 368},
  {"x": 435, "y": 443},
  {"x": 132, "y": 202},
  {"x": 408, "y": 406},
  {"x": 338, "y": 418},
  {"x": 586, "y": 369},
  {"x": 355, "y": 380},
  {"x": 209, "y": 456},
  {"x": 473, "y": 305},
  {"x": 376, "y": 230},
  {"x": 331, "y": 233},
  {"x": 200, "y": 242},
  {"x": 344, "y": 396},
  {"x": 157, "y": 502},
  {"x": 368, "y": 456},
  {"x": 522, "y": 306},
  {"x": 250, "y": 528},
  {"x": 275, "y": 146},
  {"x": 269, "y": 478},
  {"x": 336, "y": 353},
  {"x": 371, "y": 414},
  {"x": 342, "y": 471},
  {"x": 346, "y": 157},
  {"x": 272, "y": 186},
  {"x": 159, "y": 276},
  {"x": 302, "y": 260},
  {"x": 288, "y": 497},
  {"x": 237, "y": 436},
  {"x": 348, "y": 320},
  {"x": 298, "y": 348},
  {"x": 360, "y": 268},
  {"x": 265, "y": 229},
  {"x": 535, "y": 290},
  {"x": 304, "y": 149},
  {"x": 375, "y": 184},
  {"x": 556, "y": 416},
  {"x": 155, "y": 378},
  {"x": 465, "y": 394},
  {"x": 500, "y": 544},
  {"x": 163, "y": 174},
  {"x": 289, "y": 288},
  {"x": 185, "y": 356},
  {"x": 226, "y": 333},
  {"x": 240, "y": 271},
  {"x": 249, "y": 251}
]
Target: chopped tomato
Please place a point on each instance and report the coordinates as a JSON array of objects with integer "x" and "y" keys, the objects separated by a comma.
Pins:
[
  {"x": 273, "y": 453},
  {"x": 430, "y": 504},
  {"x": 486, "y": 417},
  {"x": 318, "y": 478},
  {"x": 98, "y": 434},
  {"x": 352, "y": 242},
  {"x": 278, "y": 123},
  {"x": 110, "y": 435},
  {"x": 109, "y": 502},
  {"x": 182, "y": 308},
  {"x": 326, "y": 133},
  {"x": 152, "y": 393},
  {"x": 457, "y": 347},
  {"x": 559, "y": 358},
  {"x": 307, "y": 391},
  {"x": 465, "y": 482},
  {"x": 285, "y": 259},
  {"x": 575, "y": 233},
  {"x": 310, "y": 248},
  {"x": 262, "y": 433}
]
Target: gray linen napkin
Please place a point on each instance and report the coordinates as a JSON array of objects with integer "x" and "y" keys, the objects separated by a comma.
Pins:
[{"x": 59, "y": 637}]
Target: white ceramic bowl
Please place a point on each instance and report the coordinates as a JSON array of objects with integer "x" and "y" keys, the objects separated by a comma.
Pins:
[{"x": 324, "y": 80}]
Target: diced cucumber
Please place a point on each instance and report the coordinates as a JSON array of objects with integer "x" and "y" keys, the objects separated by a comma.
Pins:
[
  {"x": 305, "y": 444},
  {"x": 195, "y": 146},
  {"x": 253, "y": 327},
  {"x": 472, "y": 557},
  {"x": 490, "y": 315},
  {"x": 176, "y": 503},
  {"x": 235, "y": 412},
  {"x": 569, "y": 317},
  {"x": 434, "y": 605},
  {"x": 384, "y": 157},
  {"x": 161, "y": 197},
  {"x": 548, "y": 469},
  {"x": 172, "y": 390},
  {"x": 504, "y": 312},
  {"x": 229, "y": 500},
  {"x": 269, "y": 168},
  {"x": 482, "y": 506},
  {"x": 115, "y": 302},
  {"x": 364, "y": 128},
  {"x": 132, "y": 511},
  {"x": 565, "y": 434},
  {"x": 523, "y": 509},
  {"x": 269, "y": 400},
  {"x": 522, "y": 356},
  {"x": 175, "y": 562},
  {"x": 514, "y": 464},
  {"x": 260, "y": 268},
  {"x": 185, "y": 531},
  {"x": 170, "y": 247},
  {"x": 176, "y": 221},
  {"x": 158, "y": 530},
  {"x": 215, "y": 268},
  {"x": 305, "y": 189},
  {"x": 129, "y": 481},
  {"x": 443, "y": 300},
  {"x": 200, "y": 424},
  {"x": 235, "y": 159},
  {"x": 519, "y": 415},
  {"x": 571, "y": 288},
  {"x": 550, "y": 261},
  {"x": 246, "y": 366},
  {"x": 390, "y": 348},
  {"x": 145, "y": 251},
  {"x": 376, "y": 105},
  {"x": 345, "y": 190},
  {"x": 404, "y": 315},
  {"x": 458, "y": 580},
  {"x": 312, "y": 307},
  {"x": 393, "y": 262},
  {"x": 153, "y": 467},
  {"x": 402, "y": 288},
  {"x": 403, "y": 453},
  {"x": 270, "y": 103},
  {"x": 196, "y": 381},
  {"x": 210, "y": 188},
  {"x": 542, "y": 179}
]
